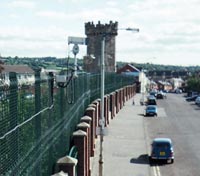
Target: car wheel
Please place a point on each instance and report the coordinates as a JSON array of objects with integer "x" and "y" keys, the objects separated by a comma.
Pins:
[
  {"x": 150, "y": 160},
  {"x": 172, "y": 161}
]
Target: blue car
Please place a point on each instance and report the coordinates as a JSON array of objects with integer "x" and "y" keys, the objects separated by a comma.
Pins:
[
  {"x": 162, "y": 149},
  {"x": 151, "y": 110}
]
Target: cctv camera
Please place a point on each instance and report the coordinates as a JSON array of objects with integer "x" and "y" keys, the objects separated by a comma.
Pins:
[{"x": 61, "y": 78}]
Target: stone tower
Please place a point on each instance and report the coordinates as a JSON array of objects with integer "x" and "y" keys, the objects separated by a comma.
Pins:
[{"x": 94, "y": 37}]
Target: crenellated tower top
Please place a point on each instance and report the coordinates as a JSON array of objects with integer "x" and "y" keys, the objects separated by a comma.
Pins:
[{"x": 99, "y": 29}]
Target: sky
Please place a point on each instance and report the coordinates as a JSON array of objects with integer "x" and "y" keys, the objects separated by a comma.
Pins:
[{"x": 169, "y": 29}]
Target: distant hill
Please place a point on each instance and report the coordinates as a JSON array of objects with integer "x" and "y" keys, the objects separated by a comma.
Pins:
[
  {"x": 53, "y": 62},
  {"x": 157, "y": 67}
]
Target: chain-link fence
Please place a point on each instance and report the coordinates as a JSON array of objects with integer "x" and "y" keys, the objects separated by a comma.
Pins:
[{"x": 37, "y": 121}]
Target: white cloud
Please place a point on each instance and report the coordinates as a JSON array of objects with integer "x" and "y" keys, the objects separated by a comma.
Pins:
[
  {"x": 84, "y": 15},
  {"x": 111, "y": 3},
  {"x": 61, "y": 1},
  {"x": 14, "y": 16},
  {"x": 22, "y": 4},
  {"x": 34, "y": 48},
  {"x": 53, "y": 15},
  {"x": 105, "y": 15},
  {"x": 50, "y": 34}
]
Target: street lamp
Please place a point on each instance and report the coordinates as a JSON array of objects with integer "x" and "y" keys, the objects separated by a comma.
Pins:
[
  {"x": 130, "y": 29},
  {"x": 102, "y": 118}
]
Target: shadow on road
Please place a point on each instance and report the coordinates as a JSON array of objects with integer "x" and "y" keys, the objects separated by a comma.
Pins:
[
  {"x": 142, "y": 159},
  {"x": 141, "y": 115},
  {"x": 159, "y": 163}
]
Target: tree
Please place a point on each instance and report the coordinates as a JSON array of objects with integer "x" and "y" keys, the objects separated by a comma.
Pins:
[
  {"x": 1, "y": 66},
  {"x": 193, "y": 83}
]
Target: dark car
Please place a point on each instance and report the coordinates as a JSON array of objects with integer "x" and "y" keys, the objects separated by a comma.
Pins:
[
  {"x": 159, "y": 95},
  {"x": 153, "y": 93},
  {"x": 162, "y": 149},
  {"x": 151, "y": 100},
  {"x": 193, "y": 98}
]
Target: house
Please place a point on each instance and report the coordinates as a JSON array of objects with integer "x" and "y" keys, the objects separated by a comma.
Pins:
[
  {"x": 177, "y": 82},
  {"x": 25, "y": 74},
  {"x": 140, "y": 77},
  {"x": 166, "y": 74},
  {"x": 164, "y": 85},
  {"x": 129, "y": 69}
]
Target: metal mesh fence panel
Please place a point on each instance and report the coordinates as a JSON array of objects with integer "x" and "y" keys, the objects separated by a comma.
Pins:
[{"x": 37, "y": 120}]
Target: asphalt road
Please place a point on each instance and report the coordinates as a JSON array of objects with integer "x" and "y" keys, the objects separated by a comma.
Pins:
[{"x": 180, "y": 121}]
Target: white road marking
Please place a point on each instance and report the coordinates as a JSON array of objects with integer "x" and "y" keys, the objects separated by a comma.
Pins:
[
  {"x": 156, "y": 171},
  {"x": 161, "y": 112}
]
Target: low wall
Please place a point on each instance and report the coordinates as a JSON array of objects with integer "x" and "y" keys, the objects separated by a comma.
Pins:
[{"x": 85, "y": 135}]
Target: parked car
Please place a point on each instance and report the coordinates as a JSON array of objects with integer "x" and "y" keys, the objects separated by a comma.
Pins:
[
  {"x": 178, "y": 91},
  {"x": 151, "y": 110},
  {"x": 192, "y": 93},
  {"x": 197, "y": 100},
  {"x": 193, "y": 98},
  {"x": 162, "y": 149}
]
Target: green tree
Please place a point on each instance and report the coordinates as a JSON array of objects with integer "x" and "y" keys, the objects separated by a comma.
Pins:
[
  {"x": 1, "y": 66},
  {"x": 193, "y": 83}
]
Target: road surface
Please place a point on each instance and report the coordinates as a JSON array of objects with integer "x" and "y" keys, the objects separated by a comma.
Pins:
[{"x": 180, "y": 121}]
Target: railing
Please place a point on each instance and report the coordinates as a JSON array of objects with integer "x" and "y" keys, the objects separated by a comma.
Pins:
[{"x": 37, "y": 121}]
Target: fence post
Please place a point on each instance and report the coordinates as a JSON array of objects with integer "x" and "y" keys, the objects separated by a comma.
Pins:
[
  {"x": 123, "y": 95},
  {"x": 50, "y": 96},
  {"x": 38, "y": 118},
  {"x": 86, "y": 127},
  {"x": 79, "y": 138},
  {"x": 13, "y": 106},
  {"x": 95, "y": 116},
  {"x": 97, "y": 109},
  {"x": 117, "y": 100},
  {"x": 67, "y": 164},
  {"x": 88, "y": 120},
  {"x": 112, "y": 105},
  {"x": 91, "y": 113},
  {"x": 106, "y": 110}
]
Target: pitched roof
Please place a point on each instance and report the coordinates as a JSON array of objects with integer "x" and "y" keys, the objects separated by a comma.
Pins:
[
  {"x": 134, "y": 68},
  {"x": 128, "y": 68},
  {"x": 17, "y": 68}
]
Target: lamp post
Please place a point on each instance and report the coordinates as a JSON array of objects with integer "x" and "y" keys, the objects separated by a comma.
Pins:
[{"x": 102, "y": 118}]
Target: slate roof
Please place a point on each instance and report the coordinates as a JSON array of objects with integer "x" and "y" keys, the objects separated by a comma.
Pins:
[
  {"x": 128, "y": 68},
  {"x": 20, "y": 69}
]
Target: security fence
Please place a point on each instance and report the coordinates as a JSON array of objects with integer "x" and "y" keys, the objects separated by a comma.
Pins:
[{"x": 37, "y": 121}]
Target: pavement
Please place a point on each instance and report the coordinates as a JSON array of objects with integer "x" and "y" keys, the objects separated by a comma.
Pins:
[{"x": 125, "y": 151}]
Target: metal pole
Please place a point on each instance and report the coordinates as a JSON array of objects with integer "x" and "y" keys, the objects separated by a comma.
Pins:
[
  {"x": 75, "y": 66},
  {"x": 102, "y": 120}
]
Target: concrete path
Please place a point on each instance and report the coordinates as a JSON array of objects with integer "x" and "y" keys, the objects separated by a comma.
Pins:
[{"x": 124, "y": 148}]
